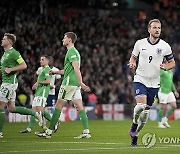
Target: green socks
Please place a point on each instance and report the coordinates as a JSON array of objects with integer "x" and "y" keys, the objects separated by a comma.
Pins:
[
  {"x": 84, "y": 119},
  {"x": 2, "y": 119},
  {"x": 32, "y": 122},
  {"x": 24, "y": 111},
  {"x": 47, "y": 115},
  {"x": 32, "y": 119},
  {"x": 170, "y": 111},
  {"x": 160, "y": 114},
  {"x": 55, "y": 118}
]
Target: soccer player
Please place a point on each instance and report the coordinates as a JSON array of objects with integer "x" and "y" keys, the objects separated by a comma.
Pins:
[
  {"x": 166, "y": 96},
  {"x": 149, "y": 53},
  {"x": 70, "y": 88},
  {"x": 11, "y": 63},
  {"x": 55, "y": 80},
  {"x": 42, "y": 87}
]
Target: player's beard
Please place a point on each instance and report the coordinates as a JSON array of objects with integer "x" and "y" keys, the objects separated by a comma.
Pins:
[{"x": 155, "y": 36}]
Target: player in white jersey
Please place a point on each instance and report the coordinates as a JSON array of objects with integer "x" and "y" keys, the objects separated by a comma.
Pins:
[{"x": 149, "y": 54}]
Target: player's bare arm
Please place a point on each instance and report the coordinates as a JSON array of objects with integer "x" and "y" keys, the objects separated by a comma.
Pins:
[
  {"x": 132, "y": 62},
  {"x": 169, "y": 65},
  {"x": 77, "y": 71},
  {"x": 45, "y": 82},
  {"x": 20, "y": 67},
  {"x": 61, "y": 72}
]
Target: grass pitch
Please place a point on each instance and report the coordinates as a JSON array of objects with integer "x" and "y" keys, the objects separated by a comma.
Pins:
[{"x": 108, "y": 137}]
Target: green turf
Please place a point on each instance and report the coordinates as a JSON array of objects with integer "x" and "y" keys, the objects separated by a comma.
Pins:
[{"x": 108, "y": 137}]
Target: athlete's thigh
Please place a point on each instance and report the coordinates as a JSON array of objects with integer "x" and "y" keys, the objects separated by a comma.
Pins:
[
  {"x": 152, "y": 94},
  {"x": 4, "y": 93},
  {"x": 50, "y": 100},
  {"x": 171, "y": 97},
  {"x": 67, "y": 92},
  {"x": 163, "y": 98},
  {"x": 140, "y": 92},
  {"x": 39, "y": 101}
]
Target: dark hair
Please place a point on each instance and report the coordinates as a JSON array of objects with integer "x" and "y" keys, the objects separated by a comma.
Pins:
[
  {"x": 11, "y": 37},
  {"x": 72, "y": 36},
  {"x": 47, "y": 57}
]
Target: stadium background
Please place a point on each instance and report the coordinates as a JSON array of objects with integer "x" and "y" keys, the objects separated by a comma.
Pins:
[{"x": 107, "y": 31}]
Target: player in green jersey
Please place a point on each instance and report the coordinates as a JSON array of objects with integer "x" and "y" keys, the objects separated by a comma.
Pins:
[
  {"x": 11, "y": 63},
  {"x": 70, "y": 87},
  {"x": 166, "y": 96},
  {"x": 42, "y": 87}
]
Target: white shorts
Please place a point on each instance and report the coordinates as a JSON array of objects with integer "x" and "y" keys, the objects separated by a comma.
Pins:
[
  {"x": 166, "y": 98},
  {"x": 39, "y": 101},
  {"x": 69, "y": 93},
  {"x": 8, "y": 92}
]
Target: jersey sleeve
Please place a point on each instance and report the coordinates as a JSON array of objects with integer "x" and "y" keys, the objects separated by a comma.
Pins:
[
  {"x": 46, "y": 72},
  {"x": 173, "y": 87},
  {"x": 72, "y": 56},
  {"x": 168, "y": 54},
  {"x": 135, "y": 51},
  {"x": 39, "y": 70},
  {"x": 17, "y": 57}
]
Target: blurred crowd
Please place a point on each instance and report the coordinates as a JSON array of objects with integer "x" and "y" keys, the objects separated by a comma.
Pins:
[{"x": 105, "y": 41}]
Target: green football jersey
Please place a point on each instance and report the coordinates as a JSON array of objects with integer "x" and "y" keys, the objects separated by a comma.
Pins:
[
  {"x": 166, "y": 81},
  {"x": 69, "y": 74},
  {"x": 43, "y": 90},
  {"x": 10, "y": 58}
]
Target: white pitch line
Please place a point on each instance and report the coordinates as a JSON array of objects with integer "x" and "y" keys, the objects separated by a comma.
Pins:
[
  {"x": 85, "y": 149},
  {"x": 68, "y": 142}
]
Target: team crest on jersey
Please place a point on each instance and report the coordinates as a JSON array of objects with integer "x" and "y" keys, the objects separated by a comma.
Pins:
[
  {"x": 137, "y": 91},
  {"x": 159, "y": 51}
]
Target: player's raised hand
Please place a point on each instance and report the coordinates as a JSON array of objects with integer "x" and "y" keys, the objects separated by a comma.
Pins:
[{"x": 84, "y": 87}]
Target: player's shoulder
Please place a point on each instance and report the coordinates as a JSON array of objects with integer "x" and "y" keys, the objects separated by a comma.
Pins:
[
  {"x": 14, "y": 51},
  {"x": 40, "y": 68},
  {"x": 164, "y": 43},
  {"x": 73, "y": 50},
  {"x": 55, "y": 68},
  {"x": 46, "y": 68},
  {"x": 141, "y": 41}
]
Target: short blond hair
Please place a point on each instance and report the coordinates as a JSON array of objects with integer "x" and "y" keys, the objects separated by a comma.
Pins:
[
  {"x": 11, "y": 37},
  {"x": 72, "y": 36},
  {"x": 153, "y": 20}
]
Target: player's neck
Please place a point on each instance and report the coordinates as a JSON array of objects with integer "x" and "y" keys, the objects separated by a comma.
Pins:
[
  {"x": 7, "y": 47},
  {"x": 69, "y": 46},
  {"x": 46, "y": 66},
  {"x": 153, "y": 39}
]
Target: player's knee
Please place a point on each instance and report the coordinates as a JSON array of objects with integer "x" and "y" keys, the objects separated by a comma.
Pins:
[{"x": 174, "y": 107}]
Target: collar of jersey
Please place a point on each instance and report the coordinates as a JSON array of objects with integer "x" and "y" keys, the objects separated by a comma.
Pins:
[{"x": 153, "y": 43}]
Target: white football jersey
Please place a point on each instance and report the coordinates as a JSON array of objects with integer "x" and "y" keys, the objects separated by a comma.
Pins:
[
  {"x": 150, "y": 57},
  {"x": 54, "y": 77}
]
